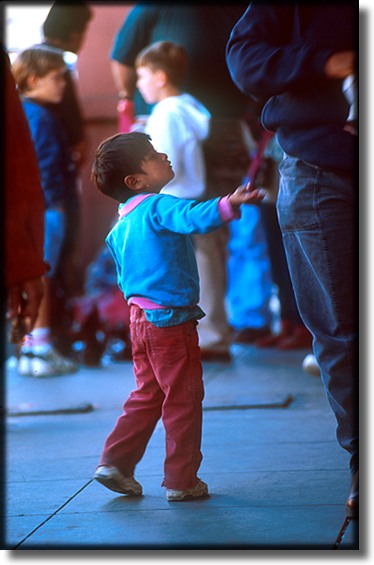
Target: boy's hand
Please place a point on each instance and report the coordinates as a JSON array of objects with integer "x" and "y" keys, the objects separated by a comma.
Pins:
[
  {"x": 244, "y": 195},
  {"x": 23, "y": 307}
]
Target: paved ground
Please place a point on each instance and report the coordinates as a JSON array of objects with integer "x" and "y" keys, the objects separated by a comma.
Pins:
[{"x": 277, "y": 477}]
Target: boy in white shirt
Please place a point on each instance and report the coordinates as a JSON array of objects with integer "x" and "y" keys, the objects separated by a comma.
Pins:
[{"x": 179, "y": 123}]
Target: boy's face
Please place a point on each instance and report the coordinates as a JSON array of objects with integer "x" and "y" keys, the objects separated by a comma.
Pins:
[
  {"x": 149, "y": 84},
  {"x": 49, "y": 88},
  {"x": 157, "y": 172}
]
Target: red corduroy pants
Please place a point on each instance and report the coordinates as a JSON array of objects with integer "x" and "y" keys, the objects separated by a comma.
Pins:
[{"x": 168, "y": 374}]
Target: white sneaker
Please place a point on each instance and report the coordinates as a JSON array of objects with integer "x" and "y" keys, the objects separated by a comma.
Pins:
[
  {"x": 112, "y": 479},
  {"x": 311, "y": 366},
  {"x": 44, "y": 364},
  {"x": 198, "y": 491}
]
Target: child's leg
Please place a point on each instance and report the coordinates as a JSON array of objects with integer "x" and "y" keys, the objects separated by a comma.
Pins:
[
  {"x": 175, "y": 357},
  {"x": 126, "y": 444}
]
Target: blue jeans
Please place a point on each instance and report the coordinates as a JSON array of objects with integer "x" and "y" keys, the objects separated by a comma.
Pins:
[
  {"x": 316, "y": 210},
  {"x": 250, "y": 284},
  {"x": 279, "y": 267},
  {"x": 54, "y": 234}
]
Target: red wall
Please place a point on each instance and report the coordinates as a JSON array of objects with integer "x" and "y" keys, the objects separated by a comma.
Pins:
[{"x": 97, "y": 88}]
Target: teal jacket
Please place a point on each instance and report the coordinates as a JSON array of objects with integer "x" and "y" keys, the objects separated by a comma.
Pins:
[{"x": 153, "y": 250}]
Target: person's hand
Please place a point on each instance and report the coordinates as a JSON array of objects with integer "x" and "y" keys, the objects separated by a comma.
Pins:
[
  {"x": 23, "y": 304},
  {"x": 245, "y": 195},
  {"x": 340, "y": 64}
]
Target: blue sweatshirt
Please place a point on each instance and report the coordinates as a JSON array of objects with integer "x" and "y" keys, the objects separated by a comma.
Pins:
[
  {"x": 153, "y": 251},
  {"x": 56, "y": 167},
  {"x": 276, "y": 54}
]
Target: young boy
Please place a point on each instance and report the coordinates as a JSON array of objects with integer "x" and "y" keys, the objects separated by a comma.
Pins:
[
  {"x": 39, "y": 73},
  {"x": 178, "y": 123},
  {"x": 157, "y": 272}
]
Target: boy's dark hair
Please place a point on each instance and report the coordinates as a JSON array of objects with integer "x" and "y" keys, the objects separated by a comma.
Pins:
[
  {"x": 65, "y": 18},
  {"x": 37, "y": 61},
  {"x": 165, "y": 56},
  {"x": 117, "y": 157}
]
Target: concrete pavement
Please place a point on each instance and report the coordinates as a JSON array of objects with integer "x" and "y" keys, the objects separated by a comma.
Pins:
[{"x": 276, "y": 475}]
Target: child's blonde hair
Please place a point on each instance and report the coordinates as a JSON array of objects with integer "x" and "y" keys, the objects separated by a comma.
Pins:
[
  {"x": 166, "y": 56},
  {"x": 36, "y": 61}
]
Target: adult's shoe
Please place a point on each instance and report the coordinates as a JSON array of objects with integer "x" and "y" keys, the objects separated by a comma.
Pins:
[
  {"x": 300, "y": 338},
  {"x": 310, "y": 365},
  {"x": 352, "y": 504},
  {"x": 208, "y": 354},
  {"x": 249, "y": 335}
]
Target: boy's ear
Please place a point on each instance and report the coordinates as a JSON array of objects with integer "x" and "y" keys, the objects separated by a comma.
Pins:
[
  {"x": 31, "y": 82},
  {"x": 133, "y": 182},
  {"x": 161, "y": 78}
]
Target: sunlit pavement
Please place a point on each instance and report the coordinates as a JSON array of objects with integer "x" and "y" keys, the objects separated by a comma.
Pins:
[{"x": 277, "y": 477}]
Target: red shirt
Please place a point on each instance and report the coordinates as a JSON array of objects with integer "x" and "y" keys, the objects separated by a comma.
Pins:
[{"x": 24, "y": 203}]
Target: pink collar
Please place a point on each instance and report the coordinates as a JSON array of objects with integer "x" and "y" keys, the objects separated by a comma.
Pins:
[{"x": 129, "y": 207}]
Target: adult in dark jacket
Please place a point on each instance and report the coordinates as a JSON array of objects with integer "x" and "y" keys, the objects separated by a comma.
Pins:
[{"x": 295, "y": 58}]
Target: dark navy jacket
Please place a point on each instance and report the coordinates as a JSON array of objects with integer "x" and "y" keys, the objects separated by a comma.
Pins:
[
  {"x": 276, "y": 54},
  {"x": 56, "y": 167}
]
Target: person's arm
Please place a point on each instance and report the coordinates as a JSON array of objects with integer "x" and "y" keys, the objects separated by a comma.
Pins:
[
  {"x": 134, "y": 34},
  {"x": 124, "y": 79},
  {"x": 192, "y": 217},
  {"x": 51, "y": 154},
  {"x": 263, "y": 57}
]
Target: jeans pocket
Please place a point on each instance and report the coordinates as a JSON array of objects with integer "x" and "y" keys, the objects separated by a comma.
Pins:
[{"x": 298, "y": 194}]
